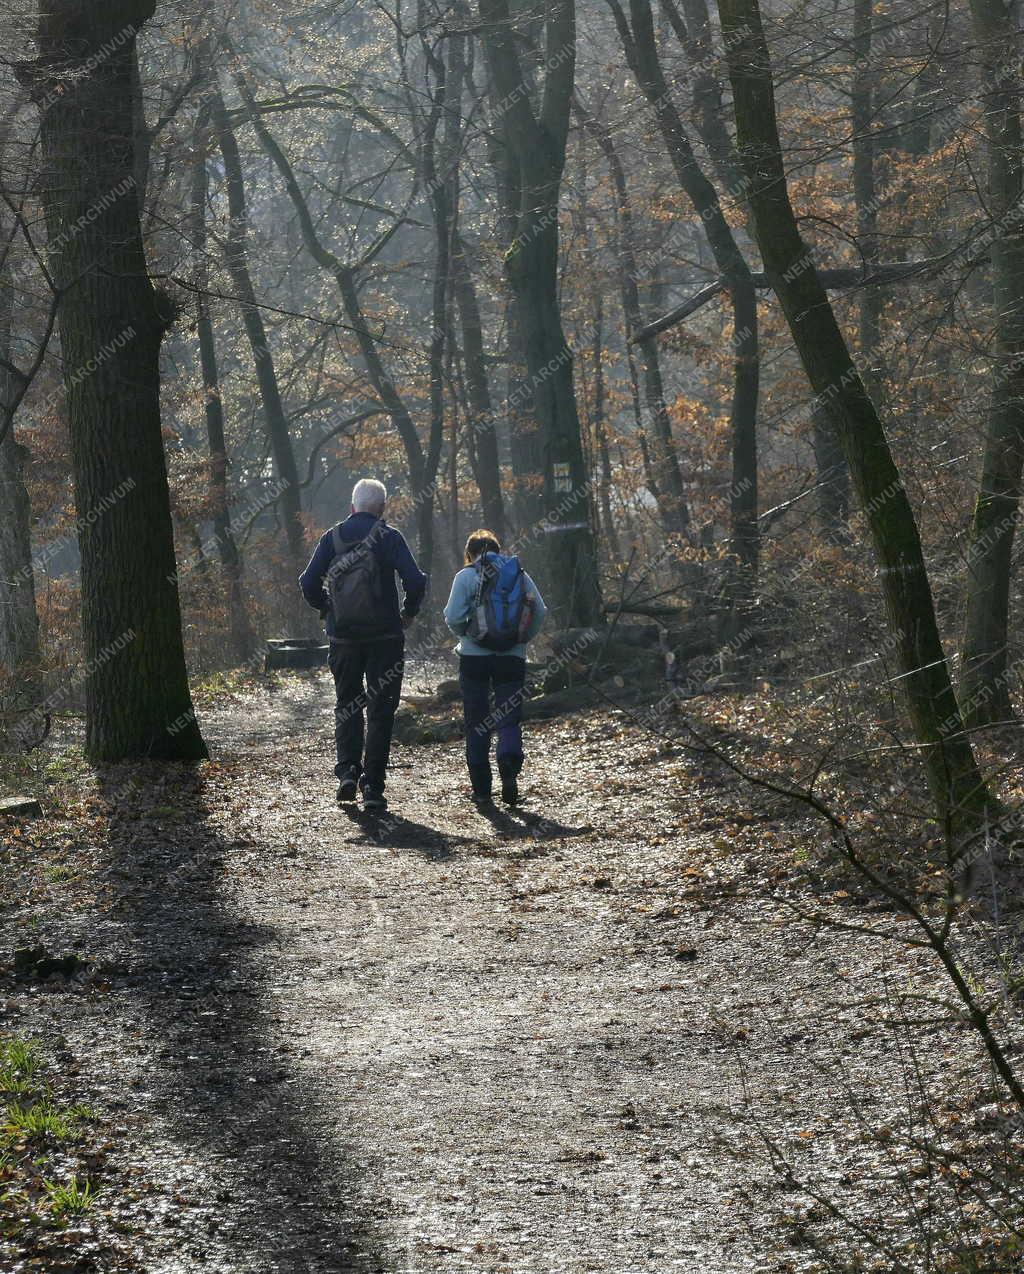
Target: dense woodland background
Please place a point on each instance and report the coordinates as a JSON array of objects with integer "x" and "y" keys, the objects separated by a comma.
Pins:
[{"x": 350, "y": 232}]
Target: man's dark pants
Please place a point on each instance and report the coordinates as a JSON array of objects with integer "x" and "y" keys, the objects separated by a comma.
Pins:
[
  {"x": 504, "y": 676},
  {"x": 367, "y": 676}
]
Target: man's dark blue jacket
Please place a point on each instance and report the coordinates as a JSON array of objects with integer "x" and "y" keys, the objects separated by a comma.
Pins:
[{"x": 394, "y": 556}]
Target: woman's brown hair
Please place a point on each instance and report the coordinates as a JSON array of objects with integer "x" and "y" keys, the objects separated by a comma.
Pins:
[{"x": 481, "y": 541}]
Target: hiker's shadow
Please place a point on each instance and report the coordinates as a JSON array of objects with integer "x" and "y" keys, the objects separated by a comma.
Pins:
[
  {"x": 515, "y": 822},
  {"x": 387, "y": 830}
]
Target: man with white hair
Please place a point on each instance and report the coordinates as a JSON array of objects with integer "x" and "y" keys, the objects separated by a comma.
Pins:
[{"x": 350, "y": 580}]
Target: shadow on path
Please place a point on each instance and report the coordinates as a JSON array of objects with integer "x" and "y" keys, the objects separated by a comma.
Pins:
[
  {"x": 393, "y": 831},
  {"x": 263, "y": 1147},
  {"x": 524, "y": 824}
]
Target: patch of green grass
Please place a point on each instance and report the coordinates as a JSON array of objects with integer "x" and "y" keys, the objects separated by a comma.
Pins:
[
  {"x": 33, "y": 1123},
  {"x": 230, "y": 681},
  {"x": 72, "y": 1199},
  {"x": 30, "y": 1110},
  {"x": 66, "y": 765},
  {"x": 219, "y": 683},
  {"x": 19, "y": 1066},
  {"x": 39, "y": 1119},
  {"x": 60, "y": 872}
]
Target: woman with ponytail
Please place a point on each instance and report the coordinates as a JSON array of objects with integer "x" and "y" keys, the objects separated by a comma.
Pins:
[{"x": 495, "y": 609}]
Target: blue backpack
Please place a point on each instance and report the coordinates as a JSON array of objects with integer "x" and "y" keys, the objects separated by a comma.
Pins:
[{"x": 500, "y": 614}]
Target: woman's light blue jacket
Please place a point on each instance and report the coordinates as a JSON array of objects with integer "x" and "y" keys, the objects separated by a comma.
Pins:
[{"x": 460, "y": 607}]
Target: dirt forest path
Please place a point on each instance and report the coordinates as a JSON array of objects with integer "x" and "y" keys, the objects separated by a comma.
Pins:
[{"x": 535, "y": 1043}]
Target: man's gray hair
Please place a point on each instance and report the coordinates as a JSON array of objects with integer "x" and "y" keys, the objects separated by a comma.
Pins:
[{"x": 369, "y": 496}]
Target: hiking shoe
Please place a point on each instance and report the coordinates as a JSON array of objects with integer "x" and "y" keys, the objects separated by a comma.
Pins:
[
  {"x": 347, "y": 789},
  {"x": 509, "y": 786},
  {"x": 374, "y": 799}
]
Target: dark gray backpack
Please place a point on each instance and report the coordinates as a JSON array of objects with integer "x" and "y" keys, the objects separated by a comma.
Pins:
[{"x": 355, "y": 585}]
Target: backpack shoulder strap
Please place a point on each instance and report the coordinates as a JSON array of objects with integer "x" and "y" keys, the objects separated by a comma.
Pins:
[
  {"x": 373, "y": 537},
  {"x": 373, "y": 543},
  {"x": 337, "y": 541},
  {"x": 478, "y": 585}
]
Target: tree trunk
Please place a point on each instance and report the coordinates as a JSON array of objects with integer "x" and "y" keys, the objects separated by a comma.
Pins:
[
  {"x": 19, "y": 622},
  {"x": 710, "y": 119},
  {"x": 454, "y": 523},
  {"x": 525, "y": 442},
  {"x": 708, "y": 113},
  {"x": 915, "y": 137},
  {"x": 984, "y": 688},
  {"x": 112, "y": 322},
  {"x": 240, "y": 629},
  {"x": 599, "y": 431},
  {"x": 597, "y": 415},
  {"x": 237, "y": 260},
  {"x": 959, "y": 794},
  {"x": 671, "y": 492},
  {"x": 538, "y": 143},
  {"x": 488, "y": 469},
  {"x": 832, "y": 471},
  {"x": 642, "y": 54},
  {"x": 440, "y": 171},
  {"x": 611, "y": 531},
  {"x": 862, "y": 119}
]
